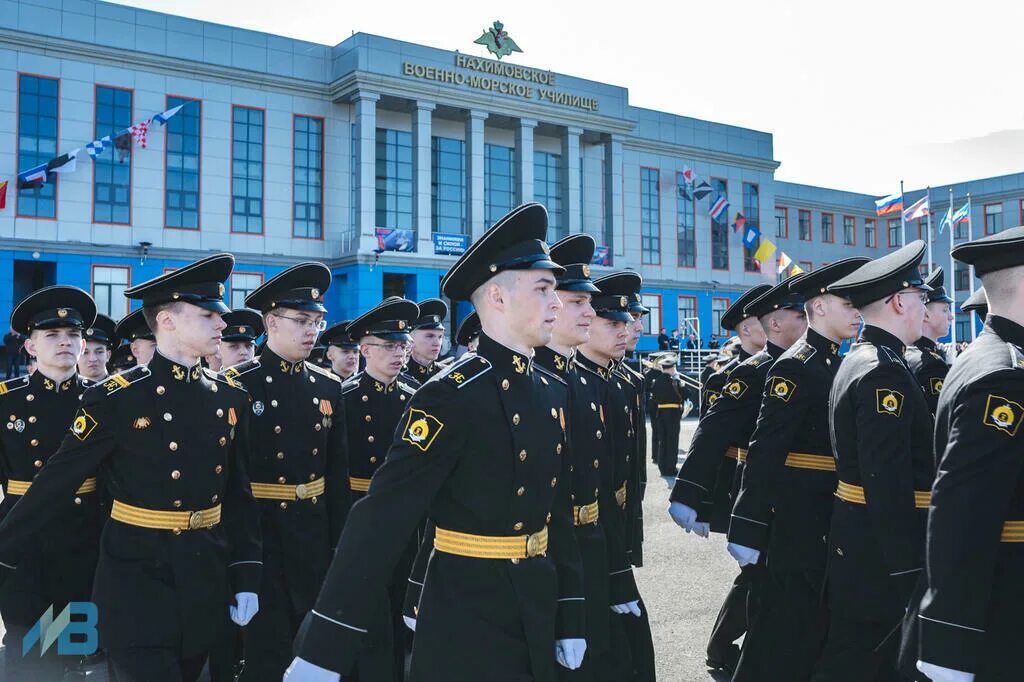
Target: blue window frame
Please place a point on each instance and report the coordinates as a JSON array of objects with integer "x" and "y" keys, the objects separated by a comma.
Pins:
[
  {"x": 752, "y": 214},
  {"x": 448, "y": 185},
  {"x": 719, "y": 229},
  {"x": 247, "y": 170},
  {"x": 686, "y": 238},
  {"x": 394, "y": 179},
  {"x": 650, "y": 217},
  {"x": 307, "y": 177},
  {"x": 547, "y": 190},
  {"x": 38, "y": 114},
  {"x": 112, "y": 176},
  {"x": 499, "y": 182},
  {"x": 181, "y": 181}
]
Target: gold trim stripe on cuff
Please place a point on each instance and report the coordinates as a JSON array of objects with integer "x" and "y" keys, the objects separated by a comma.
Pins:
[
  {"x": 360, "y": 485},
  {"x": 620, "y": 496},
  {"x": 1013, "y": 531},
  {"x": 738, "y": 454},
  {"x": 668, "y": 405},
  {"x": 490, "y": 546}
]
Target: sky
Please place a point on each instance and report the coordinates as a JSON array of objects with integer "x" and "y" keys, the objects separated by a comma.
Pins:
[{"x": 857, "y": 95}]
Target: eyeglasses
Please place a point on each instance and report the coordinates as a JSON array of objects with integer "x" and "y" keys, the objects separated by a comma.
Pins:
[
  {"x": 318, "y": 325},
  {"x": 923, "y": 296},
  {"x": 391, "y": 346}
]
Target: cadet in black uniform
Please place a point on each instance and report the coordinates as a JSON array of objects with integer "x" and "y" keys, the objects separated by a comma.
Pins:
[
  {"x": 166, "y": 442},
  {"x": 977, "y": 302},
  {"x": 121, "y": 359},
  {"x": 58, "y": 564},
  {"x": 881, "y": 428},
  {"x": 427, "y": 336},
  {"x": 342, "y": 351},
  {"x": 100, "y": 339},
  {"x": 970, "y": 619},
  {"x": 785, "y": 500},
  {"x": 667, "y": 396},
  {"x": 495, "y": 486},
  {"x": 134, "y": 329},
  {"x": 926, "y": 360},
  {"x": 238, "y": 342},
  {"x": 297, "y": 461},
  {"x": 724, "y": 434},
  {"x": 468, "y": 333}
]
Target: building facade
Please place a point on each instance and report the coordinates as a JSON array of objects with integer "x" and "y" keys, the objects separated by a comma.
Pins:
[{"x": 286, "y": 150}]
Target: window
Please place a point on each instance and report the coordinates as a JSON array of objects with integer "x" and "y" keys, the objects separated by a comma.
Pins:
[
  {"x": 687, "y": 309},
  {"x": 547, "y": 189},
  {"x": 806, "y": 266},
  {"x": 243, "y": 284},
  {"x": 650, "y": 217},
  {"x": 448, "y": 185},
  {"x": 247, "y": 170},
  {"x": 922, "y": 228},
  {"x": 394, "y": 179},
  {"x": 962, "y": 229},
  {"x": 993, "y": 218},
  {"x": 499, "y": 182},
  {"x": 719, "y": 230},
  {"x": 870, "y": 235},
  {"x": 849, "y": 230},
  {"x": 308, "y": 177},
  {"x": 963, "y": 327},
  {"x": 112, "y": 173},
  {"x": 962, "y": 277},
  {"x": 752, "y": 213},
  {"x": 181, "y": 177},
  {"x": 782, "y": 222},
  {"x": 718, "y": 308},
  {"x": 895, "y": 234},
  {"x": 108, "y": 285},
  {"x": 686, "y": 237},
  {"x": 652, "y": 322},
  {"x": 38, "y": 116},
  {"x": 828, "y": 228},
  {"x": 803, "y": 219}
]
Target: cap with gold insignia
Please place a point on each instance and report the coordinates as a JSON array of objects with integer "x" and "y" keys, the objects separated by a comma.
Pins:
[
  {"x": 337, "y": 335},
  {"x": 122, "y": 359},
  {"x": 243, "y": 324},
  {"x": 625, "y": 283},
  {"x": 318, "y": 356},
  {"x": 978, "y": 302},
  {"x": 200, "y": 283},
  {"x": 995, "y": 252},
  {"x": 882, "y": 277},
  {"x": 52, "y": 308},
  {"x": 391, "y": 320},
  {"x": 133, "y": 326},
  {"x": 613, "y": 301},
  {"x": 574, "y": 253},
  {"x": 300, "y": 287},
  {"x": 736, "y": 312},
  {"x": 103, "y": 330},
  {"x": 433, "y": 312},
  {"x": 938, "y": 293},
  {"x": 513, "y": 243},
  {"x": 779, "y": 297},
  {"x": 811, "y": 284},
  {"x": 468, "y": 330}
]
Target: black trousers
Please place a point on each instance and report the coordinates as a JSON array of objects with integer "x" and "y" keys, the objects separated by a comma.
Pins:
[
  {"x": 731, "y": 622},
  {"x": 859, "y": 651},
  {"x": 153, "y": 664},
  {"x": 668, "y": 446},
  {"x": 32, "y": 666},
  {"x": 655, "y": 434}
]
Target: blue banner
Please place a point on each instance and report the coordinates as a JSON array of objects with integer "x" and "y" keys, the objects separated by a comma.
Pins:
[{"x": 450, "y": 244}]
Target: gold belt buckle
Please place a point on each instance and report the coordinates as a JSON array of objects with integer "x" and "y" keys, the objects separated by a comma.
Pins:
[
  {"x": 195, "y": 520},
  {"x": 533, "y": 545},
  {"x": 301, "y": 492}
]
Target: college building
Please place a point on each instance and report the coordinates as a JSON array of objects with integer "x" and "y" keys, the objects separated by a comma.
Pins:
[{"x": 384, "y": 159}]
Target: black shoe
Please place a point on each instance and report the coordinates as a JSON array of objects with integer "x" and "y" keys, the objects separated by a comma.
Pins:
[{"x": 726, "y": 662}]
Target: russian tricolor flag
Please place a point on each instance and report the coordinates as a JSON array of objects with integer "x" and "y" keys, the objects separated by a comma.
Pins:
[{"x": 890, "y": 204}]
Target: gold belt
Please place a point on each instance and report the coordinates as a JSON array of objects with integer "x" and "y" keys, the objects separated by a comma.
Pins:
[
  {"x": 282, "y": 491},
  {"x": 738, "y": 454},
  {"x": 360, "y": 485},
  {"x": 176, "y": 521},
  {"x": 585, "y": 515},
  {"x": 800, "y": 460},
  {"x": 21, "y": 487},
  {"x": 1013, "y": 531},
  {"x": 490, "y": 546},
  {"x": 668, "y": 405},
  {"x": 855, "y": 494},
  {"x": 620, "y": 496}
]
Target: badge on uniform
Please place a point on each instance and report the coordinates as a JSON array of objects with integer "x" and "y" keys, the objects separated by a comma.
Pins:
[
  {"x": 888, "y": 401},
  {"x": 141, "y": 423},
  {"x": 257, "y": 408},
  {"x": 232, "y": 416},
  {"x": 326, "y": 409},
  {"x": 83, "y": 425},
  {"x": 782, "y": 388},
  {"x": 735, "y": 388},
  {"x": 936, "y": 385},
  {"x": 713, "y": 396},
  {"x": 1003, "y": 414},
  {"x": 421, "y": 429}
]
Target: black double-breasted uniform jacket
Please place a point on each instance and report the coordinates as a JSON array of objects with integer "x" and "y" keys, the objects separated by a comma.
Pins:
[
  {"x": 881, "y": 432},
  {"x": 421, "y": 372},
  {"x": 169, "y": 438},
  {"x": 480, "y": 451},
  {"x": 970, "y": 617},
  {"x": 930, "y": 366},
  {"x": 711, "y": 386},
  {"x": 631, "y": 383},
  {"x": 297, "y": 437},
  {"x": 706, "y": 480},
  {"x": 668, "y": 390},
  {"x": 784, "y": 506},
  {"x": 59, "y": 566}
]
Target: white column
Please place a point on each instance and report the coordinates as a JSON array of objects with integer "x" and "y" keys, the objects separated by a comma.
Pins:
[
  {"x": 524, "y": 160},
  {"x": 422, "y": 119},
  {"x": 571, "y": 180},
  {"x": 365, "y": 106},
  {"x": 475, "y": 172},
  {"x": 613, "y": 192}
]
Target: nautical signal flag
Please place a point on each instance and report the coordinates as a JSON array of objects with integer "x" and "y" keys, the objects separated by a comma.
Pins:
[
  {"x": 3, "y": 194},
  {"x": 719, "y": 208},
  {"x": 33, "y": 177},
  {"x": 738, "y": 222},
  {"x": 784, "y": 261},
  {"x": 701, "y": 190},
  {"x": 890, "y": 204},
  {"x": 919, "y": 209},
  {"x": 750, "y": 236},
  {"x": 765, "y": 251}
]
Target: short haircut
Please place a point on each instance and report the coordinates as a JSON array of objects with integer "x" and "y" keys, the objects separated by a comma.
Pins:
[
  {"x": 151, "y": 311},
  {"x": 506, "y": 279}
]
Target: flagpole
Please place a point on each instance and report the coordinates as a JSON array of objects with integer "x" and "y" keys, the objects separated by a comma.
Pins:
[
  {"x": 928, "y": 202},
  {"x": 952, "y": 274},
  {"x": 903, "y": 217},
  {"x": 970, "y": 237}
]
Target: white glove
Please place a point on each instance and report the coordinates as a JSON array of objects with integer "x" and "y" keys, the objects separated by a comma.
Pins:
[
  {"x": 684, "y": 516},
  {"x": 247, "y": 604},
  {"x": 743, "y": 555},
  {"x": 410, "y": 623},
  {"x": 939, "y": 674},
  {"x": 304, "y": 671},
  {"x": 569, "y": 652},
  {"x": 687, "y": 408},
  {"x": 702, "y": 528},
  {"x": 629, "y": 607}
]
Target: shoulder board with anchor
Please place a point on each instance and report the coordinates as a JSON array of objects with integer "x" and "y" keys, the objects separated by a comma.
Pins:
[
  {"x": 13, "y": 384},
  {"x": 224, "y": 378},
  {"x": 408, "y": 388},
  {"x": 805, "y": 353},
  {"x": 239, "y": 370},
  {"x": 1016, "y": 355},
  {"x": 352, "y": 383},
  {"x": 317, "y": 369},
  {"x": 580, "y": 365},
  {"x": 463, "y": 372},
  {"x": 548, "y": 373},
  {"x": 115, "y": 383},
  {"x": 755, "y": 360},
  {"x": 889, "y": 354}
]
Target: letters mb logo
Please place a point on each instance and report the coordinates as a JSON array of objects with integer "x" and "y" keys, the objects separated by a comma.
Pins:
[{"x": 48, "y": 630}]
